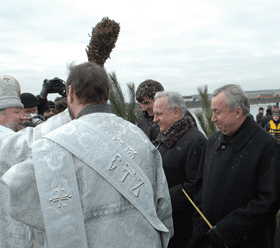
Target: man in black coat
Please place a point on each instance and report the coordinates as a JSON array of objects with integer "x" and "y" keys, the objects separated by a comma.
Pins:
[
  {"x": 145, "y": 96},
  {"x": 180, "y": 145},
  {"x": 30, "y": 103},
  {"x": 237, "y": 185},
  {"x": 259, "y": 116}
]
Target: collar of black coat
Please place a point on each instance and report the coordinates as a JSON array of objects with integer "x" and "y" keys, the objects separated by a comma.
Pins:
[
  {"x": 95, "y": 108},
  {"x": 175, "y": 133},
  {"x": 147, "y": 116},
  {"x": 241, "y": 136}
]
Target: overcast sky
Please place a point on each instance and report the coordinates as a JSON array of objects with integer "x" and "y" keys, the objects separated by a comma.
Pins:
[{"x": 183, "y": 44}]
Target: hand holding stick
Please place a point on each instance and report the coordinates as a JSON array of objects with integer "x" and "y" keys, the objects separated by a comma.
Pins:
[{"x": 197, "y": 209}]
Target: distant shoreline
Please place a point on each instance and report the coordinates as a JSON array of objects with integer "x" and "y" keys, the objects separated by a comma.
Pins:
[{"x": 253, "y": 101}]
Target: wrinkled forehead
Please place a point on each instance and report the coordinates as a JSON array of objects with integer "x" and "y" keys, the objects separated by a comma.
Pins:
[
  {"x": 219, "y": 101},
  {"x": 161, "y": 103}
]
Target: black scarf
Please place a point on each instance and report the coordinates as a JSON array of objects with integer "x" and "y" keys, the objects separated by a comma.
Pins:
[{"x": 175, "y": 133}]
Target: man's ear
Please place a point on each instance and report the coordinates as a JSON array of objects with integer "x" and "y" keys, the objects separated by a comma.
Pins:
[
  {"x": 177, "y": 111},
  {"x": 70, "y": 94},
  {"x": 239, "y": 112}
]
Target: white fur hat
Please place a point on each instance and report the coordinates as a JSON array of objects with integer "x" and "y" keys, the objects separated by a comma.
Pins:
[{"x": 9, "y": 93}]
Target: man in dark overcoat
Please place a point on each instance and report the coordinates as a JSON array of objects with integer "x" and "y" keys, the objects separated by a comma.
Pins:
[
  {"x": 180, "y": 144},
  {"x": 259, "y": 116},
  {"x": 237, "y": 185},
  {"x": 145, "y": 96}
]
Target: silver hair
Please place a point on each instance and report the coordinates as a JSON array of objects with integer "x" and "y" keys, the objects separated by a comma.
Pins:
[
  {"x": 174, "y": 99},
  {"x": 236, "y": 97}
]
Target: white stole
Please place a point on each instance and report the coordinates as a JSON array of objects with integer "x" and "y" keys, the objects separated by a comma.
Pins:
[
  {"x": 131, "y": 181},
  {"x": 59, "y": 197}
]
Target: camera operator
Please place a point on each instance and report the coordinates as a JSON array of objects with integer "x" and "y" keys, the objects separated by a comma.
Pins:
[
  {"x": 30, "y": 103},
  {"x": 16, "y": 147},
  {"x": 54, "y": 85}
]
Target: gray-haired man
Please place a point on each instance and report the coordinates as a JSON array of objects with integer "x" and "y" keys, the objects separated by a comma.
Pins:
[
  {"x": 180, "y": 145},
  {"x": 237, "y": 185}
]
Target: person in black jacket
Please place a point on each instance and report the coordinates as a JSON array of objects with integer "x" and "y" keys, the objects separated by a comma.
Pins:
[
  {"x": 237, "y": 185},
  {"x": 30, "y": 103},
  {"x": 259, "y": 116},
  {"x": 180, "y": 144},
  {"x": 145, "y": 96}
]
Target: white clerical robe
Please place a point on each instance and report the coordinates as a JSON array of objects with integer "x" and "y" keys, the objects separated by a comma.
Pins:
[
  {"x": 15, "y": 147},
  {"x": 100, "y": 183}
]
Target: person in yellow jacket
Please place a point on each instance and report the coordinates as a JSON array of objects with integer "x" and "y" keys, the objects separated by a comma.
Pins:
[{"x": 273, "y": 126}]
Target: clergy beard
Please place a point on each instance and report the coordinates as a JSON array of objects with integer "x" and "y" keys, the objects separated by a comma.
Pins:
[{"x": 16, "y": 127}]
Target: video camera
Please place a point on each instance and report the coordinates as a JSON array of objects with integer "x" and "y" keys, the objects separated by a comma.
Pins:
[
  {"x": 36, "y": 119},
  {"x": 57, "y": 85}
]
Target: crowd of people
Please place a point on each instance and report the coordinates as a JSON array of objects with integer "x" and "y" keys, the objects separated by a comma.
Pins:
[
  {"x": 271, "y": 120},
  {"x": 73, "y": 174},
  {"x": 39, "y": 107}
]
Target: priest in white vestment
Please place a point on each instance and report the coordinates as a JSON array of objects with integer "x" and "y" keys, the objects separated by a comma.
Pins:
[
  {"x": 12, "y": 233},
  {"x": 96, "y": 181},
  {"x": 15, "y": 147}
]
